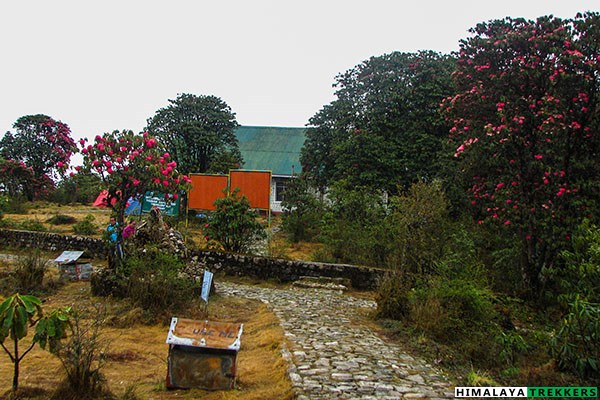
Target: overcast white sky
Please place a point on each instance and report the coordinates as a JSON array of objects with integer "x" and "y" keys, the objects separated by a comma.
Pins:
[{"x": 106, "y": 65}]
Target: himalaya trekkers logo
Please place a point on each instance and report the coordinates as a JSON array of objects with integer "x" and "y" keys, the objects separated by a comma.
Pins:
[{"x": 529, "y": 392}]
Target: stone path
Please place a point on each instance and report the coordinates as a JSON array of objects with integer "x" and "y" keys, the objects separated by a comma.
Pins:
[{"x": 332, "y": 357}]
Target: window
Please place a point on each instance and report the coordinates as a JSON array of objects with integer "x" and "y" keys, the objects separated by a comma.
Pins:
[{"x": 280, "y": 187}]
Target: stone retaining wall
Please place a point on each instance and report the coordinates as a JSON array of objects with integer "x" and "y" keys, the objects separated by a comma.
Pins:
[
  {"x": 53, "y": 242},
  {"x": 229, "y": 264}
]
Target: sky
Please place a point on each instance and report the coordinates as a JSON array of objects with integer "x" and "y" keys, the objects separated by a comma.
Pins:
[{"x": 107, "y": 65}]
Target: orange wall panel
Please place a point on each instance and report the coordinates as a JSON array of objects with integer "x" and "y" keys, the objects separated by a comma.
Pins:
[
  {"x": 205, "y": 190},
  {"x": 255, "y": 185}
]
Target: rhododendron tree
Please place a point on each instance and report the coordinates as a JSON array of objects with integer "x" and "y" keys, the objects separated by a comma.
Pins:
[
  {"x": 525, "y": 126},
  {"x": 43, "y": 144},
  {"x": 17, "y": 179},
  {"x": 129, "y": 165}
]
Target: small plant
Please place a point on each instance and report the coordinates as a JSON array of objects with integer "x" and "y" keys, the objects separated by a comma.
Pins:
[
  {"x": 33, "y": 225},
  {"x": 61, "y": 219},
  {"x": 511, "y": 345},
  {"x": 17, "y": 314},
  {"x": 29, "y": 271},
  {"x": 476, "y": 378},
  {"x": 86, "y": 226},
  {"x": 82, "y": 359},
  {"x": 8, "y": 223}
]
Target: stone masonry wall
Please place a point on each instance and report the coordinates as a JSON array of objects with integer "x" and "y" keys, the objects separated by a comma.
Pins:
[
  {"x": 53, "y": 242},
  {"x": 363, "y": 278}
]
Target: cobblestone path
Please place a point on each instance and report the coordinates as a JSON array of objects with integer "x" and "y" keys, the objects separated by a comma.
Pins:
[{"x": 333, "y": 357}]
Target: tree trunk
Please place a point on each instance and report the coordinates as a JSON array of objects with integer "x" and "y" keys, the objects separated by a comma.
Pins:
[{"x": 15, "y": 384}]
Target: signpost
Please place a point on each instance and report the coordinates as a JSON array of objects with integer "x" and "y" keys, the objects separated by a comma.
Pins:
[{"x": 206, "y": 283}]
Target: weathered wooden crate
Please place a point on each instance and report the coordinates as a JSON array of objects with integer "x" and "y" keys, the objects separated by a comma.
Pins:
[{"x": 202, "y": 354}]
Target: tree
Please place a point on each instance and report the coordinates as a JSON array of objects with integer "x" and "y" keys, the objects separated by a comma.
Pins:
[
  {"x": 198, "y": 132},
  {"x": 77, "y": 188},
  {"x": 41, "y": 143},
  {"x": 525, "y": 126},
  {"x": 384, "y": 129},
  {"x": 17, "y": 313},
  {"x": 233, "y": 223},
  {"x": 129, "y": 165}
]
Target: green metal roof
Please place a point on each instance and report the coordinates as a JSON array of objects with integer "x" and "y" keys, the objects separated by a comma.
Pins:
[{"x": 271, "y": 148}]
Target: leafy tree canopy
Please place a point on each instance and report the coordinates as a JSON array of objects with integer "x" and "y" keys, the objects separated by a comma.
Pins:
[
  {"x": 43, "y": 144},
  {"x": 199, "y": 133},
  {"x": 131, "y": 164},
  {"x": 384, "y": 130},
  {"x": 526, "y": 128}
]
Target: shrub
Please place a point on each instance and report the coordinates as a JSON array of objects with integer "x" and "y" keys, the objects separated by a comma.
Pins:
[
  {"x": 13, "y": 204},
  {"x": 576, "y": 346},
  {"x": 61, "y": 219},
  {"x": 8, "y": 223},
  {"x": 465, "y": 308},
  {"x": 351, "y": 227},
  {"x": 30, "y": 270},
  {"x": 33, "y": 225},
  {"x": 393, "y": 296},
  {"x": 82, "y": 358},
  {"x": 511, "y": 346},
  {"x": 156, "y": 283},
  {"x": 233, "y": 224},
  {"x": 86, "y": 226},
  {"x": 302, "y": 211},
  {"x": 417, "y": 228}
]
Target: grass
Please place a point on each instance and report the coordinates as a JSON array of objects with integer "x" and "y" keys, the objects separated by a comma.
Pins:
[{"x": 137, "y": 356}]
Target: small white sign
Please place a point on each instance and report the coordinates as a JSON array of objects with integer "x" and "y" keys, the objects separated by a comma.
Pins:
[{"x": 206, "y": 282}]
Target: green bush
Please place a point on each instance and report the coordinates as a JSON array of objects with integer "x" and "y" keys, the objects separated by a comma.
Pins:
[
  {"x": 465, "y": 307},
  {"x": 576, "y": 346},
  {"x": 61, "y": 219},
  {"x": 302, "y": 211},
  {"x": 8, "y": 223},
  {"x": 234, "y": 224},
  {"x": 13, "y": 204},
  {"x": 393, "y": 296},
  {"x": 86, "y": 226},
  {"x": 32, "y": 225},
  {"x": 155, "y": 283},
  {"x": 512, "y": 345},
  {"x": 351, "y": 228}
]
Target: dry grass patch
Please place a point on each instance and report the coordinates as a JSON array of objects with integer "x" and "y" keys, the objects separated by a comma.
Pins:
[{"x": 136, "y": 356}]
